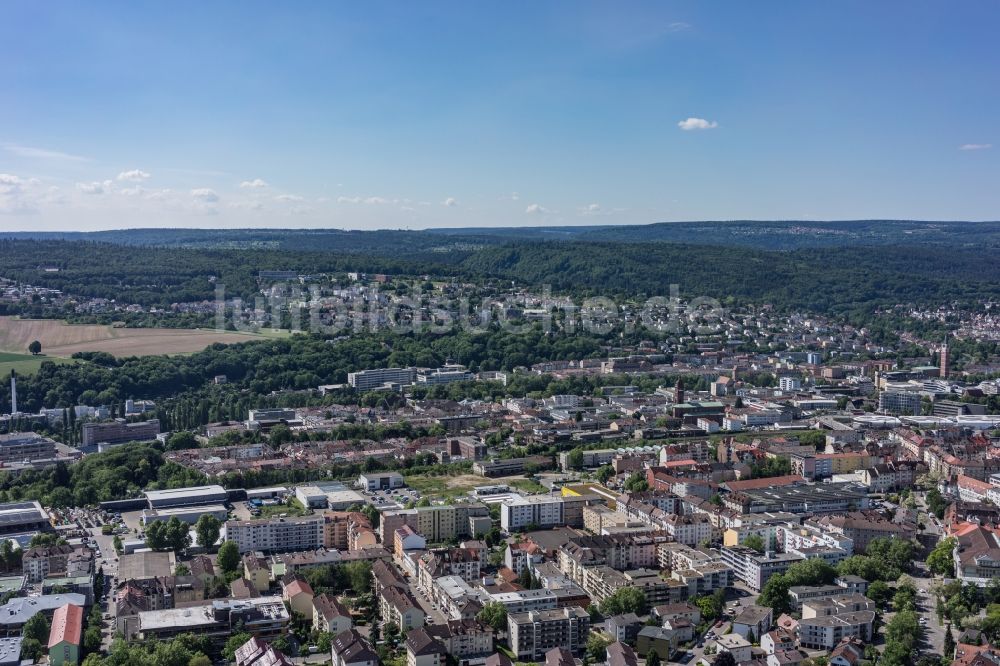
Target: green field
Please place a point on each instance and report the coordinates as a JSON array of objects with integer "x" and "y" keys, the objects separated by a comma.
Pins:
[{"x": 25, "y": 364}]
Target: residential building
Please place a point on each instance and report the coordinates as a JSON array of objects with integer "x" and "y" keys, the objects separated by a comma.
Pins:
[
  {"x": 534, "y": 633},
  {"x": 422, "y": 649},
  {"x": 330, "y": 615},
  {"x": 65, "y": 635},
  {"x": 349, "y": 648},
  {"x": 438, "y": 523},
  {"x": 541, "y": 511},
  {"x": 753, "y": 568},
  {"x": 264, "y": 617},
  {"x": 271, "y": 535}
]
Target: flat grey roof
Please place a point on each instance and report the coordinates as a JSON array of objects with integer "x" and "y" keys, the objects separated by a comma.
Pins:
[
  {"x": 19, "y": 610},
  {"x": 21, "y": 513},
  {"x": 196, "y": 491}
]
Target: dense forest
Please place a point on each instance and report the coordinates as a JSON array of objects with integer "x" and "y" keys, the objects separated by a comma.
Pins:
[
  {"x": 300, "y": 362},
  {"x": 770, "y": 235},
  {"x": 824, "y": 280},
  {"x": 853, "y": 280}
]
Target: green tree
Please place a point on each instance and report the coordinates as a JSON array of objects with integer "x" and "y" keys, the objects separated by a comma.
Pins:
[
  {"x": 35, "y": 348},
  {"x": 625, "y": 600},
  {"x": 597, "y": 647},
  {"x": 494, "y": 614},
  {"x": 181, "y": 440},
  {"x": 32, "y": 649},
  {"x": 207, "y": 529},
  {"x": 233, "y": 643},
  {"x": 574, "y": 459},
  {"x": 949, "y": 643},
  {"x": 756, "y": 542},
  {"x": 228, "y": 558},
  {"x": 636, "y": 483},
  {"x": 324, "y": 641},
  {"x": 724, "y": 658},
  {"x": 880, "y": 593},
  {"x": 200, "y": 659},
  {"x": 652, "y": 658},
  {"x": 603, "y": 473},
  {"x": 37, "y": 627},
  {"x": 941, "y": 561}
]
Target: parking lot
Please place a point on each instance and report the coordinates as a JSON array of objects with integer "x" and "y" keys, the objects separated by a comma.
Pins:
[{"x": 395, "y": 498}]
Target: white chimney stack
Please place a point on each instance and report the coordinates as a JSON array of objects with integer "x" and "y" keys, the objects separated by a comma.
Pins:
[{"x": 13, "y": 392}]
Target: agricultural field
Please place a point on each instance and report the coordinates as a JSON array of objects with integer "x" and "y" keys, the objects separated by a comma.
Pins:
[
  {"x": 60, "y": 339},
  {"x": 24, "y": 364}
]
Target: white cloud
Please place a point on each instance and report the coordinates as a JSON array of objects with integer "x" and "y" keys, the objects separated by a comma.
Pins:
[
  {"x": 288, "y": 198},
  {"x": 91, "y": 188},
  {"x": 205, "y": 194},
  {"x": 43, "y": 154},
  {"x": 255, "y": 184},
  {"x": 133, "y": 176},
  {"x": 536, "y": 209},
  {"x": 371, "y": 201},
  {"x": 9, "y": 180},
  {"x": 450, "y": 202},
  {"x": 697, "y": 124},
  {"x": 246, "y": 205},
  {"x": 975, "y": 146},
  {"x": 18, "y": 195},
  {"x": 678, "y": 26},
  {"x": 593, "y": 208}
]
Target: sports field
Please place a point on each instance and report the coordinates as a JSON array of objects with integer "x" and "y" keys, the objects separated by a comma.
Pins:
[{"x": 60, "y": 339}]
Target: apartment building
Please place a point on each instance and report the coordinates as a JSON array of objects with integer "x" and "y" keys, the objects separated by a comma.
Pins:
[
  {"x": 691, "y": 530},
  {"x": 263, "y": 617},
  {"x": 753, "y": 568},
  {"x": 534, "y": 633},
  {"x": 439, "y": 523},
  {"x": 519, "y": 512},
  {"x": 272, "y": 535},
  {"x": 826, "y": 631}
]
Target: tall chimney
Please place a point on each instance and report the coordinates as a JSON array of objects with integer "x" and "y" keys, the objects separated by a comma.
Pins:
[{"x": 13, "y": 392}]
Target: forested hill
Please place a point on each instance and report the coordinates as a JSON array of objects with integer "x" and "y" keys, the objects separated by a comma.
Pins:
[
  {"x": 449, "y": 243},
  {"x": 818, "y": 279},
  {"x": 837, "y": 279}
]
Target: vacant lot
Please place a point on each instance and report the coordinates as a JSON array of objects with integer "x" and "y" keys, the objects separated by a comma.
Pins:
[
  {"x": 453, "y": 486},
  {"x": 61, "y": 339}
]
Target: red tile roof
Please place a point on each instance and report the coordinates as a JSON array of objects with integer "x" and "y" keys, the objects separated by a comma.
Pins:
[{"x": 67, "y": 625}]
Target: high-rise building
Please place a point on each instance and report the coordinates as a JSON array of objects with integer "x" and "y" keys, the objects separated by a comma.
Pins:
[{"x": 945, "y": 367}]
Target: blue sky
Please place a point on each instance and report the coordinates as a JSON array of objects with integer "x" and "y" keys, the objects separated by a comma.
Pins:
[{"x": 412, "y": 115}]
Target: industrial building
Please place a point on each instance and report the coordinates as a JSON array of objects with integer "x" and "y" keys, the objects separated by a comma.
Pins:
[
  {"x": 327, "y": 495},
  {"x": 120, "y": 431},
  {"x": 187, "y": 514},
  {"x": 18, "y": 517},
  {"x": 367, "y": 380},
  {"x": 25, "y": 447},
  {"x": 184, "y": 497}
]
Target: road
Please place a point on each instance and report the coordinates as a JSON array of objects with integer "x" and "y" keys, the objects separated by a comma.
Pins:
[
  {"x": 433, "y": 616},
  {"x": 108, "y": 562},
  {"x": 737, "y": 598}
]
